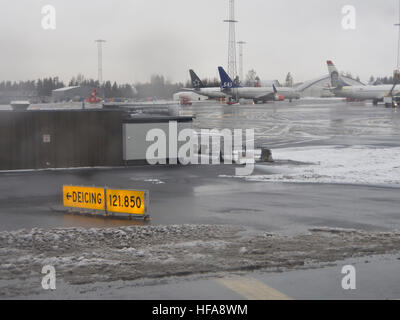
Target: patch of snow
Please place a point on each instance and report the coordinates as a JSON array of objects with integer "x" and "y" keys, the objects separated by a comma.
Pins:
[
  {"x": 333, "y": 164},
  {"x": 242, "y": 250},
  {"x": 191, "y": 244},
  {"x": 151, "y": 180},
  {"x": 154, "y": 181}
]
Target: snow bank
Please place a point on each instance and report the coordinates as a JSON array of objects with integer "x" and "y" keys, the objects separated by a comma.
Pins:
[{"x": 333, "y": 164}]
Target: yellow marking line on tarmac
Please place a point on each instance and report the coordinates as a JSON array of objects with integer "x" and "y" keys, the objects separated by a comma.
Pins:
[{"x": 252, "y": 289}]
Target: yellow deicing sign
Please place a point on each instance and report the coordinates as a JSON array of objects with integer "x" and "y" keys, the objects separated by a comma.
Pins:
[{"x": 84, "y": 197}]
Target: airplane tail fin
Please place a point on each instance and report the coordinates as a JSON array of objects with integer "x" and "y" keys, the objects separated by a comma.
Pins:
[
  {"x": 334, "y": 74},
  {"x": 226, "y": 81},
  {"x": 196, "y": 82}
]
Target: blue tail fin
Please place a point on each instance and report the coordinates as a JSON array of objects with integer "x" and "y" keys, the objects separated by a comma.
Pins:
[{"x": 226, "y": 81}]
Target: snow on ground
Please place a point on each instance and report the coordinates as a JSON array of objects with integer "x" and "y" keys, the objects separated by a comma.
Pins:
[
  {"x": 154, "y": 181},
  {"x": 85, "y": 256},
  {"x": 149, "y": 180},
  {"x": 333, "y": 164}
]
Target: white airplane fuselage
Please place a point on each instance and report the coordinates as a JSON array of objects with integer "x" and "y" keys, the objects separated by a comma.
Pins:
[
  {"x": 249, "y": 92},
  {"x": 365, "y": 92},
  {"x": 213, "y": 93},
  {"x": 288, "y": 93},
  {"x": 263, "y": 93}
]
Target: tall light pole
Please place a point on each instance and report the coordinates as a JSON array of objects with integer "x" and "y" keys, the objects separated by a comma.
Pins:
[
  {"x": 398, "y": 43},
  {"x": 241, "y": 75},
  {"x": 396, "y": 73},
  {"x": 232, "y": 68},
  {"x": 100, "y": 60}
]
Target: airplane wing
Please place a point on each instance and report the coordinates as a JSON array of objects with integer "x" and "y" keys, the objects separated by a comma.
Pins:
[{"x": 268, "y": 96}]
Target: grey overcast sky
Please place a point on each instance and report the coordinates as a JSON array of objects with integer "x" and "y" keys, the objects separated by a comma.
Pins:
[{"x": 170, "y": 36}]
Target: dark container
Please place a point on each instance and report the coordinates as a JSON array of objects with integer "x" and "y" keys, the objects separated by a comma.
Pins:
[{"x": 60, "y": 139}]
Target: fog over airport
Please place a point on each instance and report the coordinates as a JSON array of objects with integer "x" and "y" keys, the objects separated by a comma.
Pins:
[{"x": 169, "y": 37}]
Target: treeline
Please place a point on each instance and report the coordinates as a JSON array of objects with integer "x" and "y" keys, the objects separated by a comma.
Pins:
[
  {"x": 157, "y": 88},
  {"x": 372, "y": 80},
  {"x": 381, "y": 80},
  {"x": 110, "y": 90},
  {"x": 40, "y": 87}
]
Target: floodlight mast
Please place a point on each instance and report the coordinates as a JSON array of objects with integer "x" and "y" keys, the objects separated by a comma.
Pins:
[
  {"x": 100, "y": 60},
  {"x": 232, "y": 68}
]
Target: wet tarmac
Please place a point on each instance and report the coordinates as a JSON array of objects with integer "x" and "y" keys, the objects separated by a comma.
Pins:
[
  {"x": 206, "y": 194},
  {"x": 266, "y": 202},
  {"x": 197, "y": 195},
  {"x": 374, "y": 281},
  {"x": 306, "y": 122}
]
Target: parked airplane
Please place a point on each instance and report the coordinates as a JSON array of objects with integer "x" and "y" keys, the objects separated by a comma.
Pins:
[
  {"x": 361, "y": 93},
  {"x": 199, "y": 88},
  {"x": 256, "y": 94}
]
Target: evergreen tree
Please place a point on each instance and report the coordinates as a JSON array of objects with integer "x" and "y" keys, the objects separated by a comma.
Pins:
[
  {"x": 289, "y": 80},
  {"x": 371, "y": 80}
]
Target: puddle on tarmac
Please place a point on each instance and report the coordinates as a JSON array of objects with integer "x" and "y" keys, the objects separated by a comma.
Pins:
[{"x": 101, "y": 221}]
